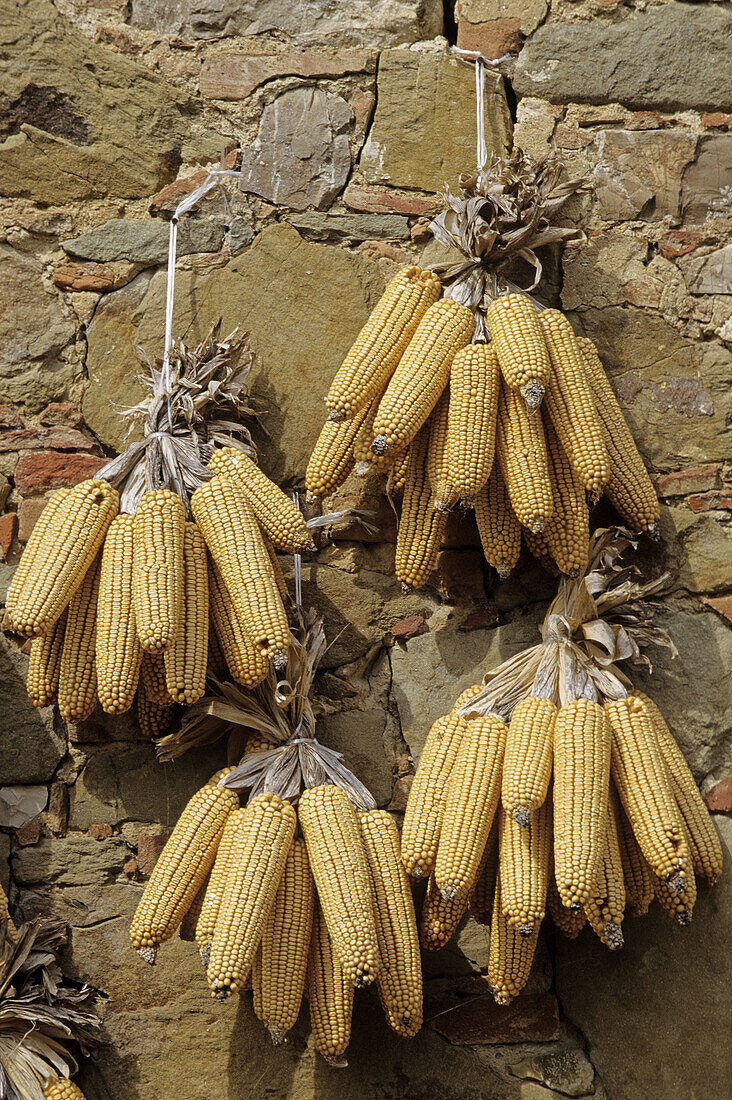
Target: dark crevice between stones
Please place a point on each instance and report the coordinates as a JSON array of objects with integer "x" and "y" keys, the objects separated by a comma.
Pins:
[
  {"x": 511, "y": 98},
  {"x": 47, "y": 109},
  {"x": 450, "y": 22}
]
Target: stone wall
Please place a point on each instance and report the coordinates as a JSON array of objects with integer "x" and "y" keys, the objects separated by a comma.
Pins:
[{"x": 348, "y": 120}]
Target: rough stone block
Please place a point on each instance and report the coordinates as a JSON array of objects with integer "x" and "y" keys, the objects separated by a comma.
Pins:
[{"x": 38, "y": 473}]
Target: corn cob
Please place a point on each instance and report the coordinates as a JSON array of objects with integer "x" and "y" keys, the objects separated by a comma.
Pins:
[
  {"x": 234, "y": 540},
  {"x": 510, "y": 954},
  {"x": 332, "y": 457},
  {"x": 279, "y": 517},
  {"x": 62, "y": 548},
  {"x": 286, "y": 944},
  {"x": 704, "y": 843},
  {"x": 422, "y": 374},
  {"x": 256, "y": 868},
  {"x": 157, "y": 572},
  {"x": 518, "y": 341},
  {"x": 581, "y": 782},
  {"x": 255, "y": 982},
  {"x": 77, "y": 685},
  {"x": 152, "y": 675},
  {"x": 12, "y": 932},
  {"x": 537, "y": 545},
  {"x": 471, "y": 799},
  {"x": 63, "y": 1089},
  {"x": 524, "y": 868},
  {"x": 365, "y": 459},
  {"x": 629, "y": 487},
  {"x": 570, "y": 922},
  {"x": 187, "y": 930},
  {"x": 481, "y": 899},
  {"x": 216, "y": 660},
  {"x": 338, "y": 863},
  {"x": 567, "y": 534},
  {"x": 605, "y": 907},
  {"x": 183, "y": 865},
  {"x": 471, "y": 424},
  {"x": 399, "y": 979},
  {"x": 187, "y": 655},
  {"x": 500, "y": 531},
  {"x": 118, "y": 651},
  {"x": 679, "y": 906},
  {"x": 206, "y": 921},
  {"x": 437, "y": 463},
  {"x": 638, "y": 878},
  {"x": 527, "y": 765},
  {"x": 398, "y": 473},
  {"x": 426, "y": 802},
  {"x": 382, "y": 341},
  {"x": 330, "y": 995},
  {"x": 153, "y": 718},
  {"x": 641, "y": 778},
  {"x": 279, "y": 576},
  {"x": 44, "y": 664},
  {"x": 439, "y": 919},
  {"x": 245, "y": 663},
  {"x": 421, "y": 529},
  {"x": 570, "y": 404},
  {"x": 523, "y": 461}
]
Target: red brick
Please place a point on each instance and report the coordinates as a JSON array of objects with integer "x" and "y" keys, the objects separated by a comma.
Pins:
[
  {"x": 400, "y": 794},
  {"x": 719, "y": 799},
  {"x": 99, "y": 831},
  {"x": 149, "y": 847},
  {"x": 30, "y": 833},
  {"x": 75, "y": 276},
  {"x": 695, "y": 479},
  {"x": 37, "y": 473},
  {"x": 721, "y": 604},
  {"x": 493, "y": 38},
  {"x": 374, "y": 200},
  {"x": 708, "y": 502},
  {"x": 57, "y": 814},
  {"x": 646, "y": 120},
  {"x": 408, "y": 628},
  {"x": 717, "y": 120},
  {"x": 482, "y": 619},
  {"x": 53, "y": 439},
  {"x": 61, "y": 414},
  {"x": 8, "y": 531},
  {"x": 679, "y": 242},
  {"x": 229, "y": 75},
  {"x": 470, "y": 1016}
]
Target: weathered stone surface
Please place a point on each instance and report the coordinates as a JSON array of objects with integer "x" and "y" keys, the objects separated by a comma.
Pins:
[
  {"x": 80, "y": 121},
  {"x": 301, "y": 156},
  {"x": 93, "y": 278},
  {"x": 423, "y": 133},
  {"x": 496, "y": 27},
  {"x": 569, "y": 1072},
  {"x": 19, "y": 805},
  {"x": 359, "y": 735},
  {"x": 350, "y": 227},
  {"x": 32, "y": 748},
  {"x": 708, "y": 181},
  {"x": 365, "y": 22},
  {"x": 8, "y": 531},
  {"x": 627, "y": 61},
  {"x": 639, "y": 173},
  {"x": 144, "y": 242},
  {"x": 673, "y": 983},
  {"x": 531, "y": 1018},
  {"x": 376, "y": 200},
  {"x": 303, "y": 304},
  {"x": 39, "y": 472},
  {"x": 701, "y": 556},
  {"x": 694, "y": 479},
  {"x": 231, "y": 76},
  {"x": 34, "y": 328},
  {"x": 530, "y": 13},
  {"x": 73, "y": 861},
  {"x": 711, "y": 274},
  {"x": 493, "y": 39},
  {"x": 34, "y": 439}
]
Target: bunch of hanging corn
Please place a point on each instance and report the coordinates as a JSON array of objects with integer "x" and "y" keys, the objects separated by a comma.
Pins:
[
  {"x": 319, "y": 913},
  {"x": 521, "y": 428}
]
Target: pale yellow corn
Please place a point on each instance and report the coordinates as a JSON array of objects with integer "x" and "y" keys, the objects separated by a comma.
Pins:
[
  {"x": 187, "y": 655},
  {"x": 527, "y": 765},
  {"x": 523, "y": 460},
  {"x": 44, "y": 664},
  {"x": 421, "y": 528},
  {"x": 439, "y": 919},
  {"x": 471, "y": 424},
  {"x": 157, "y": 569},
  {"x": 279, "y": 517},
  {"x": 499, "y": 530},
  {"x": 118, "y": 651},
  {"x": 330, "y": 996},
  {"x": 519, "y": 344},
  {"x": 605, "y": 907},
  {"x": 77, "y": 685},
  {"x": 524, "y": 868},
  {"x": 510, "y": 954},
  {"x": 332, "y": 458}
]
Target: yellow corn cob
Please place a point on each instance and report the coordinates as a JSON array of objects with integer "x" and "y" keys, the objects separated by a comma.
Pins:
[
  {"x": 538, "y": 546},
  {"x": 381, "y": 342},
  {"x": 510, "y": 955},
  {"x": 206, "y": 922},
  {"x": 256, "y": 868},
  {"x": 187, "y": 655},
  {"x": 500, "y": 531},
  {"x": 638, "y": 877},
  {"x": 704, "y": 843},
  {"x": 245, "y": 663},
  {"x": 471, "y": 799},
  {"x": 279, "y": 517},
  {"x": 399, "y": 979},
  {"x": 481, "y": 899},
  {"x": 44, "y": 664},
  {"x": 570, "y": 922},
  {"x": 330, "y": 995},
  {"x": 286, "y": 944},
  {"x": 567, "y": 534},
  {"x": 338, "y": 863},
  {"x": 679, "y": 906},
  {"x": 183, "y": 865},
  {"x": 216, "y": 660},
  {"x": 398, "y": 473},
  {"x": 519, "y": 345},
  {"x": 527, "y": 765},
  {"x": 422, "y": 374},
  {"x": 152, "y": 675},
  {"x": 77, "y": 685},
  {"x": 279, "y": 576},
  {"x": 63, "y": 1089},
  {"x": 629, "y": 488},
  {"x": 437, "y": 463},
  {"x": 365, "y": 459},
  {"x": 581, "y": 782},
  {"x": 605, "y": 907},
  {"x": 118, "y": 651},
  {"x": 524, "y": 868},
  {"x": 255, "y": 981},
  {"x": 426, "y": 802},
  {"x": 12, "y": 931},
  {"x": 187, "y": 930},
  {"x": 234, "y": 540},
  {"x": 421, "y": 529},
  {"x": 570, "y": 404},
  {"x": 157, "y": 572},
  {"x": 439, "y": 919},
  {"x": 642, "y": 781},
  {"x": 471, "y": 424},
  {"x": 332, "y": 458},
  {"x": 523, "y": 461},
  {"x": 153, "y": 718},
  {"x": 60, "y": 550}
]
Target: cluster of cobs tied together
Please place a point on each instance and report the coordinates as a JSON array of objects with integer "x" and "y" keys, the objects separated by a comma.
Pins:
[{"x": 522, "y": 429}]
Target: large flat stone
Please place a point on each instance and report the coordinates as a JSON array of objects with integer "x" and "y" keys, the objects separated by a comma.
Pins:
[
  {"x": 669, "y": 57},
  {"x": 32, "y": 746},
  {"x": 235, "y": 75},
  {"x": 144, "y": 242},
  {"x": 74, "y": 860},
  {"x": 423, "y": 133}
]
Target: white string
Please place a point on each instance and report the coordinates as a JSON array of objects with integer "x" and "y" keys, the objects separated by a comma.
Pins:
[
  {"x": 298, "y": 561},
  {"x": 481, "y": 148}
]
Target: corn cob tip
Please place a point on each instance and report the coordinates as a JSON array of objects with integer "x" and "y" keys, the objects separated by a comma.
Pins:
[
  {"x": 205, "y": 953},
  {"x": 525, "y": 930},
  {"x": 363, "y": 469},
  {"x": 416, "y": 872},
  {"x": 311, "y": 498},
  {"x": 538, "y": 526},
  {"x": 148, "y": 954},
  {"x": 278, "y": 1036},
  {"x": 467, "y": 504},
  {"x": 683, "y": 917},
  {"x": 676, "y": 883},
  {"x": 522, "y": 814},
  {"x": 448, "y": 893},
  {"x": 533, "y": 394},
  {"x": 441, "y": 505},
  {"x": 364, "y": 978},
  {"x": 336, "y": 415},
  {"x": 337, "y": 1063},
  {"x": 380, "y": 445},
  {"x": 612, "y": 935},
  {"x": 280, "y": 660}
]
